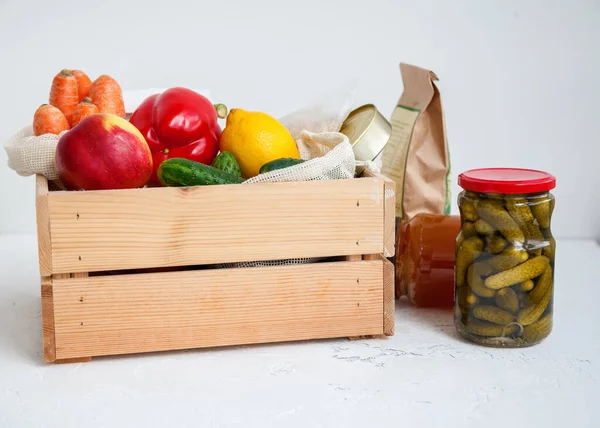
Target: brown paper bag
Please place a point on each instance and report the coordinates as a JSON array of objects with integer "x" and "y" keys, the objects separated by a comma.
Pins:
[{"x": 416, "y": 155}]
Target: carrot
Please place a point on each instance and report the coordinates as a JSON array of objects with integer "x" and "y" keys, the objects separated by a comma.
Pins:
[
  {"x": 84, "y": 109},
  {"x": 49, "y": 120},
  {"x": 83, "y": 84},
  {"x": 63, "y": 93},
  {"x": 107, "y": 95}
]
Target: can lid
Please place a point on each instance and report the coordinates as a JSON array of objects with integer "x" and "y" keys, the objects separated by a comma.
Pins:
[
  {"x": 506, "y": 180},
  {"x": 368, "y": 132}
]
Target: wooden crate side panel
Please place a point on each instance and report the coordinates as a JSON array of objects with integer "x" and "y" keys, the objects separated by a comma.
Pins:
[
  {"x": 107, "y": 315},
  {"x": 389, "y": 228},
  {"x": 43, "y": 225},
  {"x": 160, "y": 227},
  {"x": 389, "y": 301},
  {"x": 48, "y": 320},
  {"x": 389, "y": 233}
]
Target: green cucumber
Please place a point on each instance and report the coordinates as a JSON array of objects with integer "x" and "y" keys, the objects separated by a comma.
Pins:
[
  {"x": 225, "y": 161},
  {"x": 279, "y": 164},
  {"x": 177, "y": 172}
]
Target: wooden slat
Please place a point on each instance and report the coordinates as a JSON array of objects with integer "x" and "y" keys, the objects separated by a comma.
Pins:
[
  {"x": 43, "y": 225},
  {"x": 353, "y": 259},
  {"x": 50, "y": 350},
  {"x": 48, "y": 320},
  {"x": 148, "y": 228},
  {"x": 104, "y": 315},
  {"x": 389, "y": 301},
  {"x": 388, "y": 293},
  {"x": 74, "y": 360},
  {"x": 389, "y": 233},
  {"x": 79, "y": 275}
]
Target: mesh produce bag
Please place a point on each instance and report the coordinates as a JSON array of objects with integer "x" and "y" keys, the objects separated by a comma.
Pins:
[
  {"x": 29, "y": 155},
  {"x": 328, "y": 156}
]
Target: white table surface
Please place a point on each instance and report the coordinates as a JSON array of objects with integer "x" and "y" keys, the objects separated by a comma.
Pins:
[{"x": 423, "y": 376}]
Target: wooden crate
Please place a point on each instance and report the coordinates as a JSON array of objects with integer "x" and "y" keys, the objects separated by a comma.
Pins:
[{"x": 127, "y": 271}]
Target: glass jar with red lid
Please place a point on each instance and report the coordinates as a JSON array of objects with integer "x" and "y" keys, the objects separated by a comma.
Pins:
[{"x": 504, "y": 264}]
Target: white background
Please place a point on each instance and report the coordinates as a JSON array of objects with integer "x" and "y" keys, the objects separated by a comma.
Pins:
[{"x": 519, "y": 79}]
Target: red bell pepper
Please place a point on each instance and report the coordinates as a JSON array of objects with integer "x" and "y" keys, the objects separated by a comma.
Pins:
[{"x": 179, "y": 123}]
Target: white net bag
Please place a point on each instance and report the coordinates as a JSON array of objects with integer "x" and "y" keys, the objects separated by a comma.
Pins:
[
  {"x": 328, "y": 156},
  {"x": 29, "y": 155}
]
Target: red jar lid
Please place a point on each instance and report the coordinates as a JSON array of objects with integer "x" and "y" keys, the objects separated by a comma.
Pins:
[{"x": 506, "y": 180}]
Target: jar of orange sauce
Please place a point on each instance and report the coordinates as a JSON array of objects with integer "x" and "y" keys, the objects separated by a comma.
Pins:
[{"x": 425, "y": 254}]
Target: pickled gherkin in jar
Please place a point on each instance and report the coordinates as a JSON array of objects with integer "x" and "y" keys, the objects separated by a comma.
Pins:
[
  {"x": 475, "y": 279},
  {"x": 495, "y": 244},
  {"x": 468, "y": 229},
  {"x": 507, "y": 299},
  {"x": 465, "y": 254},
  {"x": 526, "y": 286},
  {"x": 493, "y": 212},
  {"x": 520, "y": 272},
  {"x": 509, "y": 258},
  {"x": 505, "y": 261},
  {"x": 483, "y": 228}
]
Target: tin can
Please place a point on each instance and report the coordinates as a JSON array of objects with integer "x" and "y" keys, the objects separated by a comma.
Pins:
[{"x": 368, "y": 132}]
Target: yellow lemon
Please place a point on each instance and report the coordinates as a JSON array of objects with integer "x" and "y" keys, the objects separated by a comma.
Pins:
[{"x": 256, "y": 138}]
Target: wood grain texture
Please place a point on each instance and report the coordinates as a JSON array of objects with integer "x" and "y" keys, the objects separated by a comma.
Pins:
[
  {"x": 43, "y": 225},
  {"x": 74, "y": 360},
  {"x": 159, "y": 227},
  {"x": 388, "y": 293},
  {"x": 389, "y": 233},
  {"x": 106, "y": 315},
  {"x": 79, "y": 275},
  {"x": 389, "y": 229},
  {"x": 389, "y": 301},
  {"x": 48, "y": 320}
]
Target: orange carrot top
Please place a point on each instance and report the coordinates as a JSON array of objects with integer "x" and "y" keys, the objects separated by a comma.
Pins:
[
  {"x": 63, "y": 93},
  {"x": 49, "y": 120},
  {"x": 84, "y": 109},
  {"x": 83, "y": 84},
  {"x": 107, "y": 95}
]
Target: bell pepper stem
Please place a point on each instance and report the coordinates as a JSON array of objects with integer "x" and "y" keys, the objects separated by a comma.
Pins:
[{"x": 221, "y": 110}]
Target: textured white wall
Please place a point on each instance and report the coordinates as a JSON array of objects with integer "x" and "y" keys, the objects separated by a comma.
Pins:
[{"x": 519, "y": 78}]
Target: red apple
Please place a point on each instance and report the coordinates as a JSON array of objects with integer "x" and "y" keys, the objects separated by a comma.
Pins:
[{"x": 103, "y": 151}]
